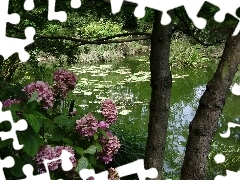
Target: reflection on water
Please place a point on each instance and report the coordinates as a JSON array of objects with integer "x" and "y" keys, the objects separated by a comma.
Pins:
[{"x": 127, "y": 83}]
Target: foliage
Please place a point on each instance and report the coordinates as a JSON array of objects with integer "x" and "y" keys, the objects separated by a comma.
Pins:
[{"x": 55, "y": 126}]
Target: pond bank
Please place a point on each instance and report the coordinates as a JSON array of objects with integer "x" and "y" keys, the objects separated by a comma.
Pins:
[{"x": 184, "y": 53}]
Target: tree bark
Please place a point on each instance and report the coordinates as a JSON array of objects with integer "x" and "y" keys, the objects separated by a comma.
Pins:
[
  {"x": 205, "y": 123},
  {"x": 161, "y": 84}
]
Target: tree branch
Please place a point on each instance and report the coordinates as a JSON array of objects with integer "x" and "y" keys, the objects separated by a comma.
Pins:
[
  {"x": 189, "y": 32},
  {"x": 106, "y": 40}
]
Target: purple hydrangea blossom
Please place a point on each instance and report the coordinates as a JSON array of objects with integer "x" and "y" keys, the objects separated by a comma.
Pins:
[
  {"x": 109, "y": 111},
  {"x": 87, "y": 126},
  {"x": 48, "y": 153},
  {"x": 9, "y": 102},
  {"x": 110, "y": 147},
  {"x": 45, "y": 94},
  {"x": 65, "y": 77},
  {"x": 103, "y": 125}
]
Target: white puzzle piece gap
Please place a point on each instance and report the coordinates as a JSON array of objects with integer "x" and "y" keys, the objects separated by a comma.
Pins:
[
  {"x": 8, "y": 45},
  {"x": 21, "y": 125},
  {"x": 29, "y": 5},
  {"x": 136, "y": 167},
  {"x": 227, "y": 133},
  {"x": 230, "y": 175},
  {"x": 66, "y": 166},
  {"x": 7, "y": 162},
  {"x": 192, "y": 8}
]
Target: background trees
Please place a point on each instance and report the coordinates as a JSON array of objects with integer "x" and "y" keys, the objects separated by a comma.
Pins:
[{"x": 93, "y": 25}]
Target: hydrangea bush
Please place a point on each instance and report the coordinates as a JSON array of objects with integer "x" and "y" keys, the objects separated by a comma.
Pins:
[{"x": 52, "y": 128}]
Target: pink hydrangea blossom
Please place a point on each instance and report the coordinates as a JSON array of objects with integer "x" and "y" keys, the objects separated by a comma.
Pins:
[
  {"x": 48, "y": 153},
  {"x": 90, "y": 178},
  {"x": 58, "y": 150},
  {"x": 45, "y": 94},
  {"x": 60, "y": 90},
  {"x": 65, "y": 77},
  {"x": 109, "y": 111},
  {"x": 9, "y": 102},
  {"x": 87, "y": 126},
  {"x": 103, "y": 125},
  {"x": 110, "y": 147}
]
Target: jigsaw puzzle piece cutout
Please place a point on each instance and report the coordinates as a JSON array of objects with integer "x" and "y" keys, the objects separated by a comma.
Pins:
[
  {"x": 53, "y": 15},
  {"x": 226, "y": 7},
  {"x": 227, "y": 133},
  {"x": 28, "y": 171},
  {"x": 75, "y": 4},
  {"x": 136, "y": 167},
  {"x": 6, "y": 43},
  {"x": 65, "y": 163},
  {"x": 7, "y": 162},
  {"x": 229, "y": 175},
  {"x": 192, "y": 9},
  {"x": 20, "y": 125},
  {"x": 29, "y": 5},
  {"x": 160, "y": 5},
  {"x": 60, "y": 15}
]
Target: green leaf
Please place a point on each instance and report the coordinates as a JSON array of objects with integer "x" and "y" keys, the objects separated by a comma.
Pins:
[
  {"x": 91, "y": 150},
  {"x": 32, "y": 104},
  {"x": 98, "y": 146},
  {"x": 58, "y": 134},
  {"x": 64, "y": 120},
  {"x": 95, "y": 136},
  {"x": 27, "y": 158},
  {"x": 5, "y": 143},
  {"x": 103, "y": 133},
  {"x": 34, "y": 122},
  {"x": 68, "y": 141},
  {"x": 30, "y": 142},
  {"x": 79, "y": 150},
  {"x": 34, "y": 96},
  {"x": 16, "y": 170},
  {"x": 82, "y": 164}
]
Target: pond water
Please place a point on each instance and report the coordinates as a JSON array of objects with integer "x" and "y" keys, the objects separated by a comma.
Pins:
[{"x": 127, "y": 83}]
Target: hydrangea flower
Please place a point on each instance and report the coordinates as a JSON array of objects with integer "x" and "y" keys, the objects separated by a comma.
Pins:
[
  {"x": 113, "y": 174},
  {"x": 90, "y": 178},
  {"x": 109, "y": 111},
  {"x": 103, "y": 125},
  {"x": 9, "y": 102},
  {"x": 65, "y": 77},
  {"x": 110, "y": 147},
  {"x": 60, "y": 89},
  {"x": 87, "y": 126},
  {"x": 48, "y": 153},
  {"x": 45, "y": 94}
]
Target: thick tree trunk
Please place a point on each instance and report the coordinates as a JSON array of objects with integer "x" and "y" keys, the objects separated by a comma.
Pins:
[
  {"x": 205, "y": 123},
  {"x": 161, "y": 84}
]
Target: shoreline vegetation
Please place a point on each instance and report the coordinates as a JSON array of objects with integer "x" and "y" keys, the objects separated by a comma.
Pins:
[{"x": 184, "y": 53}]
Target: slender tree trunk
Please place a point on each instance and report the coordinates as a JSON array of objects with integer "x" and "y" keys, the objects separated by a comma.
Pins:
[
  {"x": 161, "y": 84},
  {"x": 205, "y": 123}
]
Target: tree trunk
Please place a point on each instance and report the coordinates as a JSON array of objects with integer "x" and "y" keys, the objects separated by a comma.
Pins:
[
  {"x": 161, "y": 84},
  {"x": 205, "y": 123}
]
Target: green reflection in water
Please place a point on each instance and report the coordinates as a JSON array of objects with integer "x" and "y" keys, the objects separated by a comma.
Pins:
[{"x": 127, "y": 83}]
